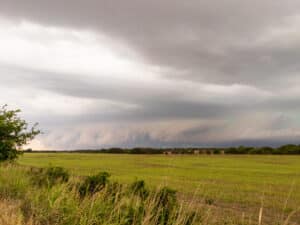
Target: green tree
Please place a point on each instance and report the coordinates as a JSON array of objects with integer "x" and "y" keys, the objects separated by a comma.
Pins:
[{"x": 14, "y": 133}]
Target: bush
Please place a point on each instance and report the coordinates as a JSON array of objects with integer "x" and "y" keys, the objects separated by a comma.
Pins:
[
  {"x": 113, "y": 192},
  {"x": 139, "y": 188},
  {"x": 93, "y": 184},
  {"x": 57, "y": 174},
  {"x": 166, "y": 203},
  {"x": 49, "y": 176}
]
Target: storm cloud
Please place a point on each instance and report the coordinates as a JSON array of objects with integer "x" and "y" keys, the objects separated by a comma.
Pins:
[{"x": 153, "y": 73}]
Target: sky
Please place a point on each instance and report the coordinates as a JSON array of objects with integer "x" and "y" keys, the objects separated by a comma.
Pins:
[{"x": 140, "y": 73}]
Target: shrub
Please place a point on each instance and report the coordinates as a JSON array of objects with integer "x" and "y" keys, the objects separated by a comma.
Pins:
[
  {"x": 93, "y": 184},
  {"x": 113, "y": 192},
  {"x": 57, "y": 174},
  {"x": 166, "y": 203},
  {"x": 49, "y": 176},
  {"x": 139, "y": 188}
]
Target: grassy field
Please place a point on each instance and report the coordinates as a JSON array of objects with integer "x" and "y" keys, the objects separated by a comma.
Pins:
[{"x": 239, "y": 182}]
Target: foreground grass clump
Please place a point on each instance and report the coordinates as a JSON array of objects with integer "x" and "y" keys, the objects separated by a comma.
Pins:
[
  {"x": 50, "y": 196},
  {"x": 93, "y": 184},
  {"x": 49, "y": 176}
]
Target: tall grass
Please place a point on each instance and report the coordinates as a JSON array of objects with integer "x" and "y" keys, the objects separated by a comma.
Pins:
[{"x": 50, "y": 196}]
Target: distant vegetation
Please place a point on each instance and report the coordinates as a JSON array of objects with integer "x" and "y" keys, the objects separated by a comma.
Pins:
[{"x": 283, "y": 150}]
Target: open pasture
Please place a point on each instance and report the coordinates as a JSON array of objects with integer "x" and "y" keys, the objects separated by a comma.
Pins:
[{"x": 230, "y": 181}]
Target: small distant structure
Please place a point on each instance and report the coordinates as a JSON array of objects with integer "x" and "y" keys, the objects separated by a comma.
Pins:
[
  {"x": 222, "y": 152},
  {"x": 196, "y": 152}
]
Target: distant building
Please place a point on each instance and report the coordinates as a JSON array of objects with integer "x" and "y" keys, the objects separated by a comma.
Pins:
[{"x": 168, "y": 153}]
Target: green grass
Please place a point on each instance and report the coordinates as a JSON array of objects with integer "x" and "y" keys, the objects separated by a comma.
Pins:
[
  {"x": 30, "y": 196},
  {"x": 242, "y": 182}
]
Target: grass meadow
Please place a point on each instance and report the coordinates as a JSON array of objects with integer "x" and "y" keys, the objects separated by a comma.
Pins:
[{"x": 233, "y": 189}]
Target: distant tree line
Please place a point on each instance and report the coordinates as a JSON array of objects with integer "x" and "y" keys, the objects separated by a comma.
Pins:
[{"x": 283, "y": 150}]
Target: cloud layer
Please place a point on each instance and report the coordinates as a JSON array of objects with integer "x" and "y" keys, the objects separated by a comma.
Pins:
[{"x": 152, "y": 73}]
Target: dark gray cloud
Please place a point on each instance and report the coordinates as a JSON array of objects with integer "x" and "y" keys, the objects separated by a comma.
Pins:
[
  {"x": 203, "y": 40},
  {"x": 206, "y": 72}
]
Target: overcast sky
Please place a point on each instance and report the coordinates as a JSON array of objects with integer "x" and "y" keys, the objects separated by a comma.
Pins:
[{"x": 104, "y": 73}]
